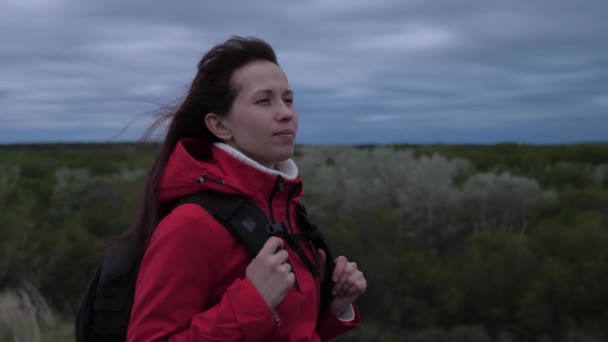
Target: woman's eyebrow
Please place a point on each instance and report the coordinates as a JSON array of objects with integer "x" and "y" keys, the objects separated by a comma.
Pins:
[{"x": 269, "y": 92}]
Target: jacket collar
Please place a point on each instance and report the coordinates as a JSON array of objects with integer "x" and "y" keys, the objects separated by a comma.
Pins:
[{"x": 287, "y": 169}]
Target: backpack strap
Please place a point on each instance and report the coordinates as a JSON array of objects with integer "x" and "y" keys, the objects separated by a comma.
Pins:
[
  {"x": 250, "y": 225},
  {"x": 317, "y": 240},
  {"x": 292, "y": 241},
  {"x": 244, "y": 219}
]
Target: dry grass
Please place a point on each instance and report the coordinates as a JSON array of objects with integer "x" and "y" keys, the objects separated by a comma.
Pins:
[{"x": 25, "y": 316}]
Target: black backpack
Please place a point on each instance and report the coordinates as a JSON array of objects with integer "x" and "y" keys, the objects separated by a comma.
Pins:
[{"x": 105, "y": 307}]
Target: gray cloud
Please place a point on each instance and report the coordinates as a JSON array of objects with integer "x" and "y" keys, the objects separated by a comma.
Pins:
[{"x": 377, "y": 68}]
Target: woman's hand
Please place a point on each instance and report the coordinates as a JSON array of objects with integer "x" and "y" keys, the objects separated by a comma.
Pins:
[
  {"x": 270, "y": 272},
  {"x": 349, "y": 282}
]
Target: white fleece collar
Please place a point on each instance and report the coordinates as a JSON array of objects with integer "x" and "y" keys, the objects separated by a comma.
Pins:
[{"x": 287, "y": 169}]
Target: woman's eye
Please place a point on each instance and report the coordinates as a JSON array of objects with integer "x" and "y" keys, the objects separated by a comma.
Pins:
[
  {"x": 288, "y": 100},
  {"x": 263, "y": 101}
]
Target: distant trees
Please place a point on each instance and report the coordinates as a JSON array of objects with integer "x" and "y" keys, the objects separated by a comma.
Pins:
[
  {"x": 435, "y": 198},
  {"x": 450, "y": 246},
  {"x": 458, "y": 243},
  {"x": 504, "y": 201}
]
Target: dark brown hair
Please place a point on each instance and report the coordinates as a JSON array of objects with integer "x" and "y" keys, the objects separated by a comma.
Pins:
[{"x": 211, "y": 91}]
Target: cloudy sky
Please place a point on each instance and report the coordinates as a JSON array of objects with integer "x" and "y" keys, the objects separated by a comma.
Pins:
[{"x": 376, "y": 71}]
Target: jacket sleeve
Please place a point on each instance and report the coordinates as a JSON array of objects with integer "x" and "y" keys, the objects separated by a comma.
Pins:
[
  {"x": 172, "y": 296},
  {"x": 331, "y": 326}
]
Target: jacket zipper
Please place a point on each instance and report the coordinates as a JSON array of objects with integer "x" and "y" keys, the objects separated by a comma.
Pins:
[
  {"x": 287, "y": 211},
  {"x": 290, "y": 228},
  {"x": 314, "y": 251},
  {"x": 206, "y": 177},
  {"x": 278, "y": 186}
]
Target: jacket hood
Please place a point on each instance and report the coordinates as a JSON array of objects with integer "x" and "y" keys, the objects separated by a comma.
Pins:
[{"x": 196, "y": 166}]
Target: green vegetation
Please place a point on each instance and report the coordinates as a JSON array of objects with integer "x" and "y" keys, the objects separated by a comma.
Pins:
[{"x": 458, "y": 243}]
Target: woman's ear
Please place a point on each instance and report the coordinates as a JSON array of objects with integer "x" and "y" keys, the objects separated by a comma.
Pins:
[{"x": 217, "y": 125}]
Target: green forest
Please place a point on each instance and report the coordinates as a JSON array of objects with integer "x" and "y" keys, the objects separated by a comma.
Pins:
[{"x": 459, "y": 243}]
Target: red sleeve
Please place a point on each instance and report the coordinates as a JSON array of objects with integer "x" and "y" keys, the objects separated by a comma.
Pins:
[
  {"x": 331, "y": 326},
  {"x": 173, "y": 289}
]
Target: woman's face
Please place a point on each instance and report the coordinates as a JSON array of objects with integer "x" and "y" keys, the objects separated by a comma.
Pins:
[{"x": 262, "y": 120}]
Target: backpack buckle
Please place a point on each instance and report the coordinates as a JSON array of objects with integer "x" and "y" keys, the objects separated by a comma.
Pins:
[{"x": 275, "y": 228}]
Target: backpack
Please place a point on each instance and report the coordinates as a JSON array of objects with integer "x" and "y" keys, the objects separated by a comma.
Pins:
[{"x": 105, "y": 306}]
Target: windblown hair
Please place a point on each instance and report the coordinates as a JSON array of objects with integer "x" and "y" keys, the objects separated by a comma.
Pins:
[{"x": 211, "y": 91}]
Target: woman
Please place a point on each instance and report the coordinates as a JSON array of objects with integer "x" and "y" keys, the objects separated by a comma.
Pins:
[{"x": 234, "y": 133}]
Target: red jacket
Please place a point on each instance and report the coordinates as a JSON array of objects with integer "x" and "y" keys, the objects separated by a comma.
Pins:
[{"x": 192, "y": 285}]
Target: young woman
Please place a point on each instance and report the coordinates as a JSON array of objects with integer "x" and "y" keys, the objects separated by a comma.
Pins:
[{"x": 234, "y": 133}]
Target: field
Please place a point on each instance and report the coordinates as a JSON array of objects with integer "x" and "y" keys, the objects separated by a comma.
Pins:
[{"x": 458, "y": 243}]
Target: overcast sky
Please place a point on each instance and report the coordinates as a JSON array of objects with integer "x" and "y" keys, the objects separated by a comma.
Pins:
[{"x": 377, "y": 71}]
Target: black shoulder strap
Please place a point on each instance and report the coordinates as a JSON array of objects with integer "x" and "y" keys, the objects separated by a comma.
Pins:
[
  {"x": 251, "y": 226},
  {"x": 243, "y": 218},
  {"x": 318, "y": 241}
]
